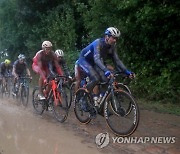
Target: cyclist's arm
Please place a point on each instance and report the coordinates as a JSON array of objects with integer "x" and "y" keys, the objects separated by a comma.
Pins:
[
  {"x": 119, "y": 64},
  {"x": 56, "y": 64},
  {"x": 97, "y": 58},
  {"x": 14, "y": 70},
  {"x": 65, "y": 68}
]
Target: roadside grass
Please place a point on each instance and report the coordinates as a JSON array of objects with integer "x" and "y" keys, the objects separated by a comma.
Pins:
[{"x": 160, "y": 107}]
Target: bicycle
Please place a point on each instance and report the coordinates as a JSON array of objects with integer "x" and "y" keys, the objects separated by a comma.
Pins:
[
  {"x": 6, "y": 85},
  {"x": 119, "y": 108},
  {"x": 21, "y": 90},
  {"x": 56, "y": 98}
]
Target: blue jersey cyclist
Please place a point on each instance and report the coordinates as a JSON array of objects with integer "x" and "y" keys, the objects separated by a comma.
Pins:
[{"x": 92, "y": 59}]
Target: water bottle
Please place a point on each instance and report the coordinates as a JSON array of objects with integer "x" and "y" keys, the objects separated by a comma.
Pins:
[{"x": 100, "y": 97}]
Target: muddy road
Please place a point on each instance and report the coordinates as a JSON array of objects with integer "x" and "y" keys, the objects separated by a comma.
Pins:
[{"x": 24, "y": 132}]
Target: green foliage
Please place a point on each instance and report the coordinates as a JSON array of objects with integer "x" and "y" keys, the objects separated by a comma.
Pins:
[{"x": 149, "y": 43}]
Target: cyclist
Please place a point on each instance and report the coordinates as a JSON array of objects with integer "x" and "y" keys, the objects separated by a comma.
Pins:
[
  {"x": 6, "y": 69},
  {"x": 92, "y": 60},
  {"x": 60, "y": 55},
  {"x": 41, "y": 65},
  {"x": 20, "y": 69}
]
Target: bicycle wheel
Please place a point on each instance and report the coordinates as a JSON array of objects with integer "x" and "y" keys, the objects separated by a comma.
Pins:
[
  {"x": 82, "y": 97},
  {"x": 38, "y": 105},
  {"x": 115, "y": 113},
  {"x": 60, "y": 106},
  {"x": 8, "y": 87},
  {"x": 2, "y": 89},
  {"x": 72, "y": 94},
  {"x": 125, "y": 88},
  {"x": 24, "y": 95}
]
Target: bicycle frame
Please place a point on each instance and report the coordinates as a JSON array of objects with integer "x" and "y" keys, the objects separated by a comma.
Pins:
[
  {"x": 56, "y": 94},
  {"x": 55, "y": 84}
]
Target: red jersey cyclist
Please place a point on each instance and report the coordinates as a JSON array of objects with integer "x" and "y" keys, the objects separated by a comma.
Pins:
[{"x": 41, "y": 62}]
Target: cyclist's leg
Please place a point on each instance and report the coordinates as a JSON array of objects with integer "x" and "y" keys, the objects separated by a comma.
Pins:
[
  {"x": 90, "y": 72},
  {"x": 42, "y": 72},
  {"x": 77, "y": 71}
]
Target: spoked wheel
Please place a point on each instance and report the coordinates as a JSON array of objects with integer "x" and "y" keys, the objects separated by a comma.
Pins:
[
  {"x": 8, "y": 89},
  {"x": 2, "y": 90},
  {"x": 125, "y": 88},
  {"x": 115, "y": 112},
  {"x": 60, "y": 105},
  {"x": 81, "y": 106},
  {"x": 25, "y": 95},
  {"x": 72, "y": 94},
  {"x": 38, "y": 105}
]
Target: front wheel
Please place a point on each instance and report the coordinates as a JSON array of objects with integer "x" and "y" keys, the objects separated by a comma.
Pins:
[
  {"x": 81, "y": 106},
  {"x": 120, "y": 119},
  {"x": 39, "y": 106},
  {"x": 25, "y": 95},
  {"x": 72, "y": 94},
  {"x": 60, "y": 105}
]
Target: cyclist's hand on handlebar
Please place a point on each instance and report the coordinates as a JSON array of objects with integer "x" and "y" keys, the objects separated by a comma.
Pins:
[
  {"x": 45, "y": 81},
  {"x": 108, "y": 74},
  {"x": 130, "y": 74},
  {"x": 16, "y": 77}
]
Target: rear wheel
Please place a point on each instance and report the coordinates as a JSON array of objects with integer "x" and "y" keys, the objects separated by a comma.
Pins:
[
  {"x": 81, "y": 101},
  {"x": 39, "y": 106},
  {"x": 120, "y": 119}
]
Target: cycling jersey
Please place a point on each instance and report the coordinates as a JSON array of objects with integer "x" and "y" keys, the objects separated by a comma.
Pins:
[
  {"x": 63, "y": 65},
  {"x": 20, "y": 68},
  {"x": 98, "y": 52},
  {"x": 5, "y": 69},
  {"x": 41, "y": 63}
]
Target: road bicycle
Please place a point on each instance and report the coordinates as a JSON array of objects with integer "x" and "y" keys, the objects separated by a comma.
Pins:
[
  {"x": 118, "y": 107},
  {"x": 56, "y": 98},
  {"x": 21, "y": 90}
]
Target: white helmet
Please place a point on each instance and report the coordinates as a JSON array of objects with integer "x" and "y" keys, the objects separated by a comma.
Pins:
[
  {"x": 46, "y": 44},
  {"x": 21, "y": 57},
  {"x": 112, "y": 31},
  {"x": 59, "y": 53}
]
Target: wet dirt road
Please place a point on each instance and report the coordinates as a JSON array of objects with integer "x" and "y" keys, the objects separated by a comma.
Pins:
[{"x": 24, "y": 132}]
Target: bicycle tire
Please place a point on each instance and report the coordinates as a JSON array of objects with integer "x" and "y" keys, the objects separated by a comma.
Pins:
[
  {"x": 72, "y": 94},
  {"x": 24, "y": 95},
  {"x": 8, "y": 87},
  {"x": 82, "y": 116},
  {"x": 2, "y": 90},
  {"x": 118, "y": 121},
  {"x": 36, "y": 102},
  {"x": 60, "y": 109},
  {"x": 125, "y": 88}
]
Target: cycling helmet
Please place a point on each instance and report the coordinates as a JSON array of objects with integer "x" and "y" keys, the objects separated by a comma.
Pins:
[
  {"x": 112, "y": 31},
  {"x": 7, "y": 61},
  {"x": 21, "y": 57},
  {"x": 59, "y": 53},
  {"x": 46, "y": 44}
]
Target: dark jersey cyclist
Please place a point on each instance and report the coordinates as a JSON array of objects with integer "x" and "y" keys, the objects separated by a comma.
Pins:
[
  {"x": 20, "y": 69},
  {"x": 6, "y": 69},
  {"x": 41, "y": 62},
  {"x": 60, "y": 55},
  {"x": 92, "y": 59}
]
